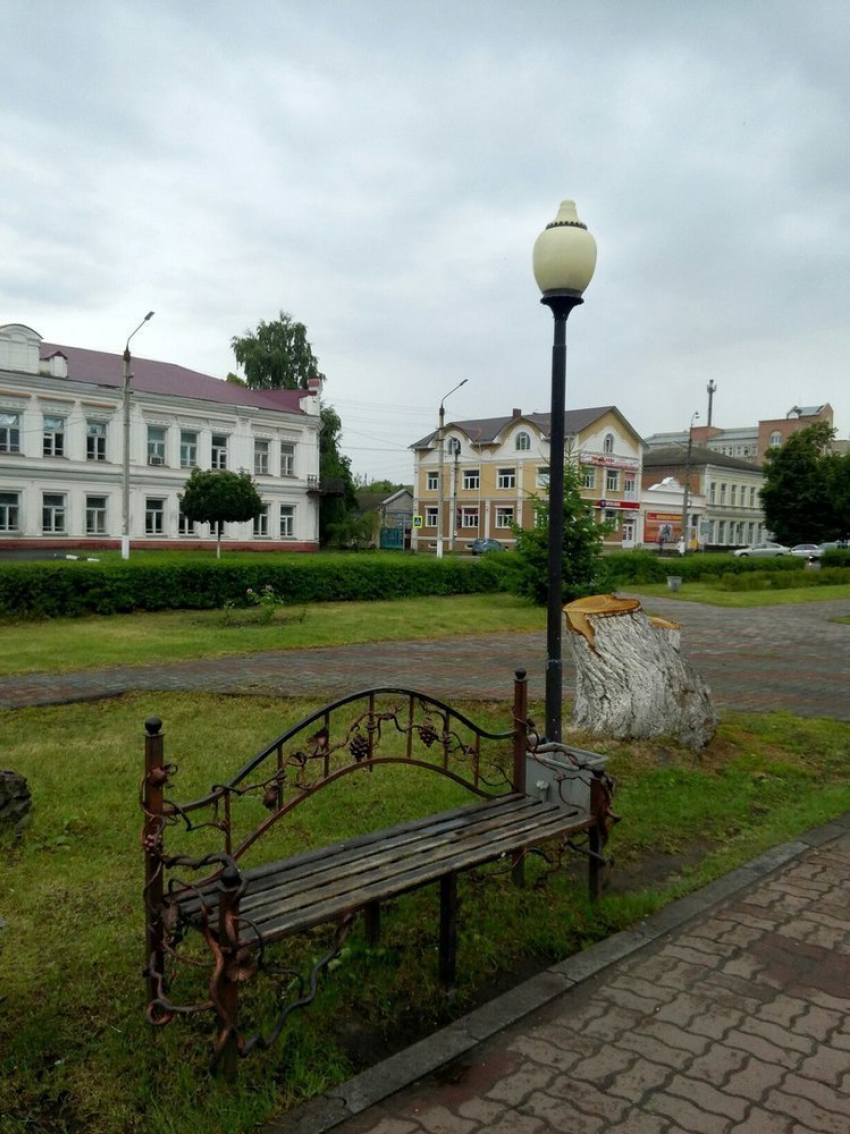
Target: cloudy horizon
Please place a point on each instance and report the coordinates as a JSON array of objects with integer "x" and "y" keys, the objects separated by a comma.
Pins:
[{"x": 381, "y": 171}]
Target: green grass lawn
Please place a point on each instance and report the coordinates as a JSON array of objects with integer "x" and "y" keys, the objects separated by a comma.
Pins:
[
  {"x": 705, "y": 592},
  {"x": 75, "y": 1050}
]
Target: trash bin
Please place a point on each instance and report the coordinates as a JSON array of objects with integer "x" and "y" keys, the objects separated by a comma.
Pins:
[{"x": 674, "y": 582}]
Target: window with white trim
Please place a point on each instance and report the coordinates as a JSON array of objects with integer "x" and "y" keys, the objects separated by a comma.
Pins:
[
  {"x": 188, "y": 449},
  {"x": 733, "y": 495},
  {"x": 608, "y": 443},
  {"x": 542, "y": 478},
  {"x": 154, "y": 516},
  {"x": 775, "y": 439},
  {"x": 287, "y": 458},
  {"x": 261, "y": 523},
  {"x": 185, "y": 526},
  {"x": 588, "y": 476},
  {"x": 54, "y": 436},
  {"x": 469, "y": 517},
  {"x": 156, "y": 445},
  {"x": 10, "y": 511},
  {"x": 218, "y": 453},
  {"x": 629, "y": 485},
  {"x": 504, "y": 517},
  {"x": 522, "y": 442},
  {"x": 53, "y": 513},
  {"x": 712, "y": 492},
  {"x": 612, "y": 480},
  {"x": 261, "y": 457},
  {"x": 752, "y": 496},
  {"x": 471, "y": 480},
  {"x": 454, "y": 447},
  {"x": 432, "y": 481},
  {"x": 95, "y": 515},
  {"x": 506, "y": 478},
  {"x": 95, "y": 440},
  {"x": 10, "y": 432},
  {"x": 722, "y": 493},
  {"x": 287, "y": 521},
  {"x": 431, "y": 517}
]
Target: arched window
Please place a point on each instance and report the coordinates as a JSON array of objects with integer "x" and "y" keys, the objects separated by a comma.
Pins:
[
  {"x": 523, "y": 441},
  {"x": 454, "y": 446},
  {"x": 608, "y": 443}
]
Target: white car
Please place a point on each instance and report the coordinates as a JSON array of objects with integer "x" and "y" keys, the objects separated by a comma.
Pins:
[
  {"x": 765, "y": 549},
  {"x": 807, "y": 550}
]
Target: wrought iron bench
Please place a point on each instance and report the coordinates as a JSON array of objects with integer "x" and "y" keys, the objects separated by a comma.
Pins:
[{"x": 526, "y": 794}]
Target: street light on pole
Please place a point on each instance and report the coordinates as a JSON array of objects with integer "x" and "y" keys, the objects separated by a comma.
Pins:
[
  {"x": 125, "y": 507},
  {"x": 440, "y": 484},
  {"x": 564, "y": 261},
  {"x": 686, "y": 490}
]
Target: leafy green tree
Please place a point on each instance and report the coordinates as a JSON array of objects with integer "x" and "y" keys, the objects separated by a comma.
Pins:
[
  {"x": 277, "y": 356},
  {"x": 804, "y": 484},
  {"x": 582, "y": 546},
  {"x": 219, "y": 497}
]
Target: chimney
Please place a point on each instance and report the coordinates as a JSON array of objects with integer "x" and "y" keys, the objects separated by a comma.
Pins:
[{"x": 516, "y": 412}]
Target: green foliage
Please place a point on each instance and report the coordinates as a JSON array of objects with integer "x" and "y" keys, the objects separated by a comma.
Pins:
[
  {"x": 632, "y": 568},
  {"x": 339, "y": 499},
  {"x": 806, "y": 491},
  {"x": 277, "y": 356},
  {"x": 218, "y": 497},
  {"x": 60, "y": 589},
  {"x": 582, "y": 547}
]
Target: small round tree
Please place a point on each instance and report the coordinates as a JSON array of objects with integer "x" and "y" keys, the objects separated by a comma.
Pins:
[{"x": 219, "y": 497}]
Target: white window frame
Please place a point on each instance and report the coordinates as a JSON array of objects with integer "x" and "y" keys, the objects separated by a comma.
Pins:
[
  {"x": 588, "y": 476},
  {"x": 469, "y": 516},
  {"x": 432, "y": 516},
  {"x": 608, "y": 443},
  {"x": 541, "y": 479},
  {"x": 95, "y": 440},
  {"x": 185, "y": 526},
  {"x": 10, "y": 512},
  {"x": 188, "y": 449},
  {"x": 96, "y": 515},
  {"x": 53, "y": 444},
  {"x": 287, "y": 458},
  {"x": 471, "y": 480},
  {"x": 261, "y": 524},
  {"x": 261, "y": 457},
  {"x": 432, "y": 481},
  {"x": 522, "y": 442},
  {"x": 612, "y": 480},
  {"x": 287, "y": 521},
  {"x": 506, "y": 478},
  {"x": 154, "y": 516},
  {"x": 53, "y": 513},
  {"x": 218, "y": 451},
  {"x": 157, "y": 435},
  {"x": 504, "y": 516},
  {"x": 10, "y": 432}
]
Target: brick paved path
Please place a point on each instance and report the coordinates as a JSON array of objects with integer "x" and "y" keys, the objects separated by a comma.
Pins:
[
  {"x": 733, "y": 1020},
  {"x": 795, "y": 658}
]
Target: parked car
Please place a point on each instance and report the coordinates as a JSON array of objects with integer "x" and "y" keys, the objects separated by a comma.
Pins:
[
  {"x": 766, "y": 549},
  {"x": 807, "y": 550},
  {"x": 480, "y": 546}
]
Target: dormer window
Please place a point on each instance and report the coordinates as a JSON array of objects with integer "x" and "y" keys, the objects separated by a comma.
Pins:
[
  {"x": 608, "y": 443},
  {"x": 522, "y": 442}
]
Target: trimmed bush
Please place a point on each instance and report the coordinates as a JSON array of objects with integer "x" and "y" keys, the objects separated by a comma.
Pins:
[{"x": 70, "y": 589}]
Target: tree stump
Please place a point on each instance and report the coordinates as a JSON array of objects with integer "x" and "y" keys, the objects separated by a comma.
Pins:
[
  {"x": 631, "y": 679},
  {"x": 15, "y": 800}
]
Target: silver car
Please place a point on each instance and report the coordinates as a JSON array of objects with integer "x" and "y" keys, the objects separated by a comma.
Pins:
[
  {"x": 766, "y": 549},
  {"x": 807, "y": 550}
]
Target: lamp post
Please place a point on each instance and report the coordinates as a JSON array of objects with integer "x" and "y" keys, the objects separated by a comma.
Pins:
[
  {"x": 440, "y": 484},
  {"x": 685, "y": 525},
  {"x": 564, "y": 261},
  {"x": 125, "y": 506}
]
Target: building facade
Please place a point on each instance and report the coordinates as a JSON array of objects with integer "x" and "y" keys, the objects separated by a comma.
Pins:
[
  {"x": 64, "y": 417},
  {"x": 476, "y": 480},
  {"x": 748, "y": 443}
]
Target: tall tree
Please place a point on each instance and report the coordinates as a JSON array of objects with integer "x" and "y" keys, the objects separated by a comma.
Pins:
[
  {"x": 218, "y": 497},
  {"x": 582, "y": 546},
  {"x": 277, "y": 356},
  {"x": 802, "y": 487}
]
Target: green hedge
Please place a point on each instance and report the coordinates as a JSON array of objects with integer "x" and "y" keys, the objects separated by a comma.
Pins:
[
  {"x": 622, "y": 568},
  {"x": 69, "y": 589}
]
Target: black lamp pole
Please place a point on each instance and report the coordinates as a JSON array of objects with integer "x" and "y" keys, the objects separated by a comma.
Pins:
[{"x": 560, "y": 304}]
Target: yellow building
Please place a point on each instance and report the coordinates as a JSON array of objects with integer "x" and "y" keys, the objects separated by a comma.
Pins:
[{"x": 477, "y": 480}]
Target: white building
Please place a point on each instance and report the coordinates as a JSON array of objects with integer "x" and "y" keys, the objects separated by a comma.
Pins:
[{"x": 62, "y": 457}]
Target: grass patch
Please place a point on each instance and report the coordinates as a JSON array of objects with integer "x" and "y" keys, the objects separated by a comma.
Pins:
[
  {"x": 713, "y": 593},
  {"x": 75, "y": 1051}
]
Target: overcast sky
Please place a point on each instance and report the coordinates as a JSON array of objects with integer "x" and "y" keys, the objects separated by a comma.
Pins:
[{"x": 381, "y": 171}]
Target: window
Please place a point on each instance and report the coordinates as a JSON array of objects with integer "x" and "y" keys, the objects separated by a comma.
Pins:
[
  {"x": 53, "y": 513},
  {"x": 722, "y": 493},
  {"x": 733, "y": 496},
  {"x": 10, "y": 511},
  {"x": 156, "y": 445},
  {"x": 261, "y": 524},
  {"x": 471, "y": 479},
  {"x": 287, "y": 458},
  {"x": 454, "y": 446},
  {"x": 542, "y": 479},
  {"x": 721, "y": 531},
  {"x": 608, "y": 443},
  {"x": 261, "y": 458},
  {"x": 431, "y": 515},
  {"x": 218, "y": 457},
  {"x": 469, "y": 517},
  {"x": 432, "y": 482},
  {"x": 775, "y": 439},
  {"x": 712, "y": 492},
  {"x": 54, "y": 436},
  {"x": 612, "y": 480},
  {"x": 506, "y": 478},
  {"x": 95, "y": 515},
  {"x": 588, "y": 476},
  {"x": 629, "y": 486},
  {"x": 188, "y": 449},
  {"x": 154, "y": 516},
  {"x": 95, "y": 440},
  {"x": 287, "y": 521},
  {"x": 504, "y": 517},
  {"x": 752, "y": 496},
  {"x": 10, "y": 433},
  {"x": 185, "y": 526},
  {"x": 522, "y": 442}
]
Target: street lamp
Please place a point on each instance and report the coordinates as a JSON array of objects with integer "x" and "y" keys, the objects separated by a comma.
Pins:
[
  {"x": 564, "y": 261},
  {"x": 441, "y": 486},
  {"x": 125, "y": 509},
  {"x": 685, "y": 525}
]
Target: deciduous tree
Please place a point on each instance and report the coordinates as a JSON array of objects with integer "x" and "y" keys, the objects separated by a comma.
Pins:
[
  {"x": 804, "y": 486},
  {"x": 219, "y": 497}
]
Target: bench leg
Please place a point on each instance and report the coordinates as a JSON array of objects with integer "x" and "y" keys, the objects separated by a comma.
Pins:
[
  {"x": 448, "y": 929},
  {"x": 372, "y": 916}
]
